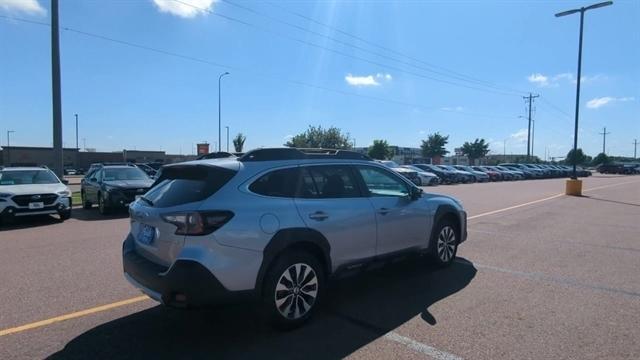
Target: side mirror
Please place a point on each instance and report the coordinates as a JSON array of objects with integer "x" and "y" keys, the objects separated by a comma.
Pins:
[
  {"x": 65, "y": 181},
  {"x": 93, "y": 179},
  {"x": 416, "y": 193}
]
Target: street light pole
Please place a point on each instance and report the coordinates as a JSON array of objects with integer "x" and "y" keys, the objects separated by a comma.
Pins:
[
  {"x": 77, "y": 132},
  {"x": 575, "y": 130},
  {"x": 220, "y": 111},
  {"x": 55, "y": 91},
  {"x": 227, "y": 138},
  {"x": 8, "y": 146}
]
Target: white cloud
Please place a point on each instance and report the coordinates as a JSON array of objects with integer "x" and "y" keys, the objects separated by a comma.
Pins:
[
  {"x": 555, "y": 80},
  {"x": 368, "y": 80},
  {"x": 184, "y": 8},
  {"x": 520, "y": 135},
  {"x": 602, "y": 101},
  {"x": 447, "y": 108},
  {"x": 539, "y": 79},
  {"x": 32, "y": 7}
]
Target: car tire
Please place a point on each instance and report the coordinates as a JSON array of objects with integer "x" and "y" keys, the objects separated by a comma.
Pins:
[
  {"x": 65, "y": 215},
  {"x": 444, "y": 243},
  {"x": 85, "y": 204},
  {"x": 102, "y": 207},
  {"x": 283, "y": 299}
]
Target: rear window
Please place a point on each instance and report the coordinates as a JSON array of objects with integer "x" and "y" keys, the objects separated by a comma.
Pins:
[
  {"x": 179, "y": 185},
  {"x": 278, "y": 183}
]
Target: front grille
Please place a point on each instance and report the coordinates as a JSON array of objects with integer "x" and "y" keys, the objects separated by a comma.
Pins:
[
  {"x": 130, "y": 194},
  {"x": 24, "y": 200}
]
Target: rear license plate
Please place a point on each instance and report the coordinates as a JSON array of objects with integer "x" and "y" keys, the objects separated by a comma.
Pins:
[
  {"x": 147, "y": 234},
  {"x": 36, "y": 205}
]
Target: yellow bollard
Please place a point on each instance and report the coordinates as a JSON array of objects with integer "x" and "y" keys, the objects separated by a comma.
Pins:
[{"x": 574, "y": 187}]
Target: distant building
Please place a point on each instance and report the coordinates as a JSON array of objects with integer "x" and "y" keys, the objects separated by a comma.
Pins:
[{"x": 36, "y": 156}]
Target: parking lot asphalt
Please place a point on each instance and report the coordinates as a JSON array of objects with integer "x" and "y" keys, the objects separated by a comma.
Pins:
[{"x": 542, "y": 275}]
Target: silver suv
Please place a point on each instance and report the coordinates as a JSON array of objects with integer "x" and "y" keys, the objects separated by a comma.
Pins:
[{"x": 276, "y": 225}]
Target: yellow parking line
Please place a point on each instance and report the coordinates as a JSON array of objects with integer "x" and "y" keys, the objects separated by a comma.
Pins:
[
  {"x": 117, "y": 304},
  {"x": 514, "y": 207},
  {"x": 72, "y": 315},
  {"x": 545, "y": 199}
]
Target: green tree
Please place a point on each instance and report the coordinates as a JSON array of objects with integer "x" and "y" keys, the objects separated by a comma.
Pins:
[
  {"x": 434, "y": 145},
  {"x": 317, "y": 137},
  {"x": 578, "y": 157},
  {"x": 380, "y": 150},
  {"x": 475, "y": 150},
  {"x": 601, "y": 158},
  {"x": 238, "y": 142}
]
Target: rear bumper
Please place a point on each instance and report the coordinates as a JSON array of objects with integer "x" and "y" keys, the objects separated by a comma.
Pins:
[{"x": 187, "y": 283}]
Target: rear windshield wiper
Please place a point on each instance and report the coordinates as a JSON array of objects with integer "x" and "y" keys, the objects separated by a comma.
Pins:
[{"x": 146, "y": 200}]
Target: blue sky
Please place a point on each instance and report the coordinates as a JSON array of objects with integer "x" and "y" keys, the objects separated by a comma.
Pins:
[{"x": 285, "y": 78}]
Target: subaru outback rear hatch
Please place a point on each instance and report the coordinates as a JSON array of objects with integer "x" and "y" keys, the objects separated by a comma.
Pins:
[{"x": 168, "y": 212}]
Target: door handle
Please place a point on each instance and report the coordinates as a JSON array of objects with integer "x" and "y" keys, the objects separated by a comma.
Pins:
[
  {"x": 383, "y": 211},
  {"x": 318, "y": 215}
]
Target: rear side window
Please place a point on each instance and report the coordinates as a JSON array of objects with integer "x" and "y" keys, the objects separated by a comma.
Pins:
[
  {"x": 179, "y": 185},
  {"x": 328, "y": 181},
  {"x": 278, "y": 183}
]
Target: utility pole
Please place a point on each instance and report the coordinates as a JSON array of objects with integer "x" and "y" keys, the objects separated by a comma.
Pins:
[
  {"x": 77, "y": 148},
  {"x": 530, "y": 99},
  {"x": 604, "y": 134},
  {"x": 635, "y": 147},
  {"x": 55, "y": 87},
  {"x": 533, "y": 135}
]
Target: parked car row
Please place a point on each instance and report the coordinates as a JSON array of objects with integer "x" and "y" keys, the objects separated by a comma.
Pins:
[
  {"x": 430, "y": 174},
  {"x": 623, "y": 169}
]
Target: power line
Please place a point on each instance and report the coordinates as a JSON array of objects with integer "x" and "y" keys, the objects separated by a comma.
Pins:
[
  {"x": 451, "y": 74},
  {"x": 342, "y": 53},
  {"x": 260, "y": 74}
]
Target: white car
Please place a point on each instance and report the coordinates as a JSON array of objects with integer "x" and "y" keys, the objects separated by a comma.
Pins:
[
  {"x": 426, "y": 178},
  {"x": 26, "y": 191}
]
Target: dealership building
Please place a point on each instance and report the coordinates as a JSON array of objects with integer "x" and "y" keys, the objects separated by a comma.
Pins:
[{"x": 74, "y": 158}]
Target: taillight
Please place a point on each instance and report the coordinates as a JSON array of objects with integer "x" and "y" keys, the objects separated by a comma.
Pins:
[{"x": 198, "y": 223}]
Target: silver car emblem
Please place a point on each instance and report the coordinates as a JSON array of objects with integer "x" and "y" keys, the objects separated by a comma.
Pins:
[{"x": 36, "y": 197}]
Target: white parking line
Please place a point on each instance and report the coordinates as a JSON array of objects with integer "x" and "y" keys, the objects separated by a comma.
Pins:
[{"x": 420, "y": 347}]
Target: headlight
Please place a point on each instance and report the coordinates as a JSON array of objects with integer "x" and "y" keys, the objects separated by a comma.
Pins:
[
  {"x": 5, "y": 195},
  {"x": 64, "y": 193}
]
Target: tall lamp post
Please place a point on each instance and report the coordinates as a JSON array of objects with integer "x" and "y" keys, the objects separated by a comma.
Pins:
[
  {"x": 220, "y": 111},
  {"x": 9, "y": 132},
  {"x": 582, "y": 10},
  {"x": 77, "y": 148},
  {"x": 227, "y": 138}
]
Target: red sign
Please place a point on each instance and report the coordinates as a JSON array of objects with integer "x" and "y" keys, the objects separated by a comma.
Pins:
[{"x": 203, "y": 149}]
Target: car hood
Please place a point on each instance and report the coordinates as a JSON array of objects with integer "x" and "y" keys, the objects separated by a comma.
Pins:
[
  {"x": 426, "y": 173},
  {"x": 33, "y": 189},
  {"x": 130, "y": 183}
]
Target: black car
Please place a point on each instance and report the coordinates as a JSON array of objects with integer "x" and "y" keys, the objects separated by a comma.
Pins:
[
  {"x": 113, "y": 186},
  {"x": 446, "y": 176}
]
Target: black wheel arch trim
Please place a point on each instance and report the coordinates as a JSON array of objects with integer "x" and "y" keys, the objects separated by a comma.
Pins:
[
  {"x": 443, "y": 211},
  {"x": 293, "y": 237}
]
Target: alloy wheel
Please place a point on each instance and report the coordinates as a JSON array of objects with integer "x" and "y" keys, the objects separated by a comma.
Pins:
[
  {"x": 446, "y": 244},
  {"x": 296, "y": 291}
]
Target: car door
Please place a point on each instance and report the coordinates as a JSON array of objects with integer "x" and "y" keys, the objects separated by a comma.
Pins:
[
  {"x": 93, "y": 183},
  {"x": 402, "y": 223},
  {"x": 331, "y": 202}
]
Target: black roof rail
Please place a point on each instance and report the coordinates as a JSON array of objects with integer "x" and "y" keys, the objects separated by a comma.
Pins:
[
  {"x": 270, "y": 154},
  {"x": 216, "y": 155}
]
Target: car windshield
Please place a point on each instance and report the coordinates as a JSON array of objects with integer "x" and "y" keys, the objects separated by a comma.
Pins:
[
  {"x": 129, "y": 173},
  {"x": 27, "y": 177}
]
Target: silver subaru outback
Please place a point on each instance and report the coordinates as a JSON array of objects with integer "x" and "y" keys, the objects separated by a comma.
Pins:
[{"x": 275, "y": 225}]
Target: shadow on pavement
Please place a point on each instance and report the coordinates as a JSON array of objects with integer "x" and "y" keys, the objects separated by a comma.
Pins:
[
  {"x": 611, "y": 201},
  {"x": 24, "y": 222},
  {"x": 93, "y": 214},
  {"x": 356, "y": 312}
]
